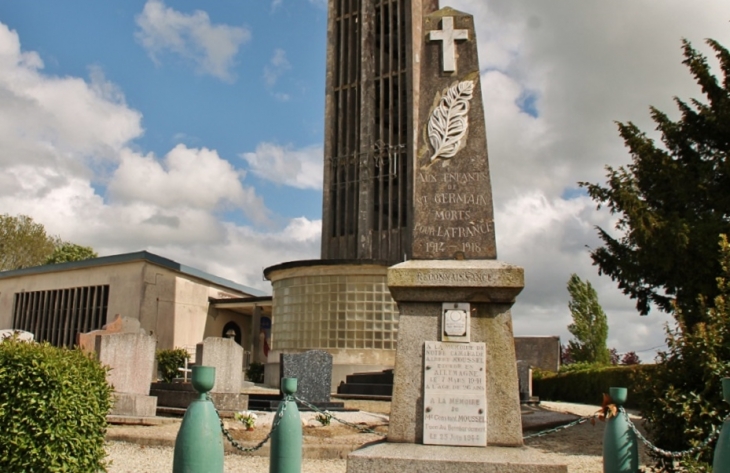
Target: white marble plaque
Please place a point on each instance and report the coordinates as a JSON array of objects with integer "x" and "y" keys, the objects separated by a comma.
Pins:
[
  {"x": 455, "y": 322},
  {"x": 455, "y": 394}
]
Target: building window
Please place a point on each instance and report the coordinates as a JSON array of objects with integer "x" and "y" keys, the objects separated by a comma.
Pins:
[{"x": 59, "y": 315}]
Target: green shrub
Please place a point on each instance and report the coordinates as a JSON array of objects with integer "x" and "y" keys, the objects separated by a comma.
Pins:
[
  {"x": 169, "y": 361},
  {"x": 53, "y": 408},
  {"x": 255, "y": 372},
  {"x": 581, "y": 366},
  {"x": 587, "y": 386}
]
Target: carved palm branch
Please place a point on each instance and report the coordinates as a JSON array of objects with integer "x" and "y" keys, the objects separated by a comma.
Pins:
[{"x": 450, "y": 120}]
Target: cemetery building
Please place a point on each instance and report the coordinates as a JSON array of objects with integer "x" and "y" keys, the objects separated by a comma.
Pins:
[{"x": 177, "y": 304}]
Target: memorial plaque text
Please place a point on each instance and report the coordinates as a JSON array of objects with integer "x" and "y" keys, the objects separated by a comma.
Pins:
[{"x": 455, "y": 394}]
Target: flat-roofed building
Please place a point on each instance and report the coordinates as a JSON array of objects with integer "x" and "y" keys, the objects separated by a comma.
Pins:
[{"x": 177, "y": 304}]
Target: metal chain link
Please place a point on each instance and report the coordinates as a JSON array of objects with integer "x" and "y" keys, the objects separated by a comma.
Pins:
[
  {"x": 644, "y": 440},
  {"x": 280, "y": 414},
  {"x": 560, "y": 427},
  {"x": 277, "y": 419},
  {"x": 366, "y": 430},
  {"x": 666, "y": 453}
]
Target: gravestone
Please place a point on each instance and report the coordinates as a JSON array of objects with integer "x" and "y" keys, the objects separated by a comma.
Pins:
[
  {"x": 313, "y": 370},
  {"x": 541, "y": 351},
  {"x": 226, "y": 356},
  {"x": 455, "y": 404},
  {"x": 524, "y": 375},
  {"x": 87, "y": 341},
  {"x": 131, "y": 359}
]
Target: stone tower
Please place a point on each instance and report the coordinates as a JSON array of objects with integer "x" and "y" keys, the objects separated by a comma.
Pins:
[{"x": 372, "y": 86}]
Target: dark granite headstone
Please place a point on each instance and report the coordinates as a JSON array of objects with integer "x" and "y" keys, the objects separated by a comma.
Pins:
[{"x": 313, "y": 370}]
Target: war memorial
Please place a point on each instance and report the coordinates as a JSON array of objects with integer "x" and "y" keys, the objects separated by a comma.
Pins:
[{"x": 408, "y": 202}]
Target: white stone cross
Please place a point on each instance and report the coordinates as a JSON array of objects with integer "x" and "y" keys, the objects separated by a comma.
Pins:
[{"x": 448, "y": 35}]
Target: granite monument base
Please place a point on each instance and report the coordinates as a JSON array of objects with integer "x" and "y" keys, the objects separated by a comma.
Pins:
[
  {"x": 421, "y": 288},
  {"x": 389, "y": 457},
  {"x": 134, "y": 405}
]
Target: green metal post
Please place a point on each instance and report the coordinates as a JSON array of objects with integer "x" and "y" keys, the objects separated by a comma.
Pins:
[
  {"x": 721, "y": 461},
  {"x": 199, "y": 443},
  {"x": 620, "y": 448},
  {"x": 286, "y": 440}
]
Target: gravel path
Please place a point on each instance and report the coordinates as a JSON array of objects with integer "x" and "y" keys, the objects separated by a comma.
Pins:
[
  {"x": 580, "y": 447},
  {"x": 130, "y": 458}
]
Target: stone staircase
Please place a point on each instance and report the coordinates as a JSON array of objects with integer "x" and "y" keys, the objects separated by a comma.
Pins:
[{"x": 374, "y": 385}]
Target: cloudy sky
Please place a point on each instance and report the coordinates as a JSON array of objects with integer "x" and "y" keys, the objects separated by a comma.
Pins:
[{"x": 194, "y": 129}]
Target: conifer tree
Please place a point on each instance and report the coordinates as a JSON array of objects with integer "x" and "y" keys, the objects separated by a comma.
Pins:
[
  {"x": 673, "y": 200},
  {"x": 682, "y": 394}
]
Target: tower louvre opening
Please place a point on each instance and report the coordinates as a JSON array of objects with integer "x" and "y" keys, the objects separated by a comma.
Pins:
[{"x": 367, "y": 159}]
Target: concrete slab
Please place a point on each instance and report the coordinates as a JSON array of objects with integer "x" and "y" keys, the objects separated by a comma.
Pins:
[
  {"x": 388, "y": 457},
  {"x": 146, "y": 421}
]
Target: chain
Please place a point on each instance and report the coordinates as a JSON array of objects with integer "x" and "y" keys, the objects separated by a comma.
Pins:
[
  {"x": 366, "y": 430},
  {"x": 560, "y": 427},
  {"x": 665, "y": 453},
  {"x": 280, "y": 414},
  {"x": 645, "y": 441},
  {"x": 277, "y": 419}
]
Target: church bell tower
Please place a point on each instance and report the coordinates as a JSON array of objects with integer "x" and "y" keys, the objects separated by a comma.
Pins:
[{"x": 370, "y": 116}]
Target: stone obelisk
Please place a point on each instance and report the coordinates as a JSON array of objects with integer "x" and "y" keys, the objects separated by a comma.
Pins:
[{"x": 455, "y": 404}]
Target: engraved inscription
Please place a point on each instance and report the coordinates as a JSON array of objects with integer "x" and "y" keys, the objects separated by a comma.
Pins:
[
  {"x": 454, "y": 198},
  {"x": 453, "y": 208},
  {"x": 454, "y": 177},
  {"x": 452, "y": 215},
  {"x": 474, "y": 229},
  {"x": 460, "y": 277},
  {"x": 455, "y": 408}
]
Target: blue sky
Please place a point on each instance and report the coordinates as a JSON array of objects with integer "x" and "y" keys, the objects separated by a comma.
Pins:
[
  {"x": 270, "y": 87},
  {"x": 194, "y": 129}
]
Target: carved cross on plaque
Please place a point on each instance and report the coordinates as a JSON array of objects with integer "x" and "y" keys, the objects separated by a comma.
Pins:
[{"x": 449, "y": 36}]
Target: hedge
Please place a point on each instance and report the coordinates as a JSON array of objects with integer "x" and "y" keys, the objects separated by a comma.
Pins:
[
  {"x": 587, "y": 386},
  {"x": 53, "y": 407}
]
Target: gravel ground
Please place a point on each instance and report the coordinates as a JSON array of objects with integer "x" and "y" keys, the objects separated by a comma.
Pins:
[
  {"x": 129, "y": 458},
  {"x": 580, "y": 447}
]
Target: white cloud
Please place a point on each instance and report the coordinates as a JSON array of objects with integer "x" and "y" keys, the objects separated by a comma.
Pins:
[
  {"x": 276, "y": 67},
  {"x": 550, "y": 237},
  {"x": 299, "y": 240},
  {"x": 196, "y": 178},
  {"x": 211, "y": 47},
  {"x": 67, "y": 160},
  {"x": 59, "y": 122},
  {"x": 585, "y": 64},
  {"x": 300, "y": 168}
]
